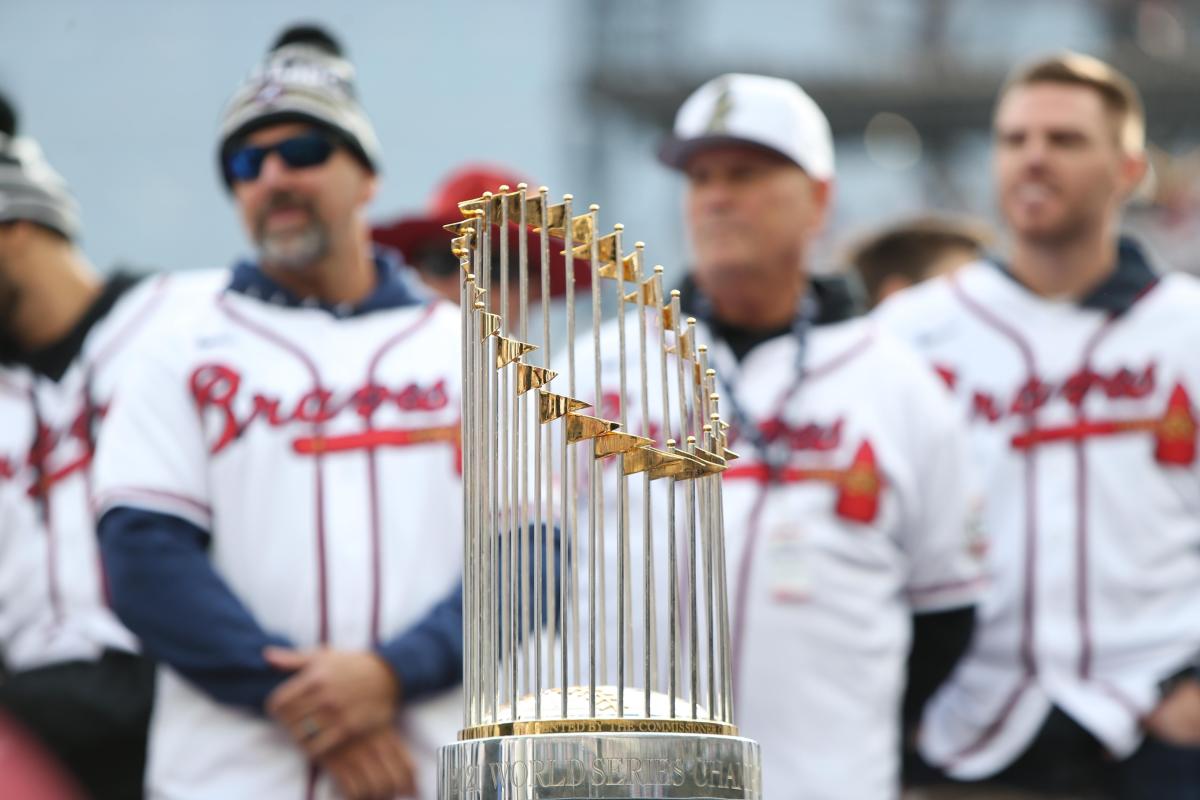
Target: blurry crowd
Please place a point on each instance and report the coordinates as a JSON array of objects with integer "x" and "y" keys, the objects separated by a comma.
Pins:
[{"x": 963, "y": 533}]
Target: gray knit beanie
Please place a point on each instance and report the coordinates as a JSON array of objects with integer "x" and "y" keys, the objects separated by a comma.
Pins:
[
  {"x": 30, "y": 189},
  {"x": 305, "y": 78}
]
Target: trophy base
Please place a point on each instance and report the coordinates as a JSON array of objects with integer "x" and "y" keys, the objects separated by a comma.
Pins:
[{"x": 598, "y": 766}]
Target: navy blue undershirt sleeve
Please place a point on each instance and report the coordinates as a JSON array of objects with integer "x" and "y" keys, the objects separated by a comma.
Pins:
[
  {"x": 427, "y": 657},
  {"x": 939, "y": 640},
  {"x": 164, "y": 588}
]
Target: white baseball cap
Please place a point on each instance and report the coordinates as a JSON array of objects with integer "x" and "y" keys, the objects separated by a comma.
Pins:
[{"x": 772, "y": 113}]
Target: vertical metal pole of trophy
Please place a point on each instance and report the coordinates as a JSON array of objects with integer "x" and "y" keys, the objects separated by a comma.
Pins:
[
  {"x": 467, "y": 254},
  {"x": 570, "y": 591},
  {"x": 525, "y": 544},
  {"x": 466, "y": 304},
  {"x": 683, "y": 356},
  {"x": 506, "y": 473},
  {"x": 643, "y": 296},
  {"x": 718, "y": 447},
  {"x": 528, "y": 523},
  {"x": 479, "y": 598},
  {"x": 478, "y": 450},
  {"x": 693, "y": 520},
  {"x": 701, "y": 403},
  {"x": 622, "y": 482},
  {"x": 543, "y": 516},
  {"x": 667, "y": 316},
  {"x": 722, "y": 576},
  {"x": 595, "y": 501},
  {"x": 488, "y": 447}
]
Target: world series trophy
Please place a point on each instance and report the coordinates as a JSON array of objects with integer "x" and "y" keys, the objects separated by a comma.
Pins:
[{"x": 544, "y": 718}]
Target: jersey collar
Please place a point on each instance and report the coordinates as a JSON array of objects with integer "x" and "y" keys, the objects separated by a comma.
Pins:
[
  {"x": 833, "y": 296},
  {"x": 53, "y": 360},
  {"x": 1116, "y": 294},
  {"x": 395, "y": 287}
]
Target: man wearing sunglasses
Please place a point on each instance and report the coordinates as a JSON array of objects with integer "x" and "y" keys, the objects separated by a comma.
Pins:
[{"x": 279, "y": 484}]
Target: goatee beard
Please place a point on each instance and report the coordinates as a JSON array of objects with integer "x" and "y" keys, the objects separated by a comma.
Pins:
[{"x": 294, "y": 251}]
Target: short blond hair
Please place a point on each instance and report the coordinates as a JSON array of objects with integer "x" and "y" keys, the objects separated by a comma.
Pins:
[{"x": 1119, "y": 94}]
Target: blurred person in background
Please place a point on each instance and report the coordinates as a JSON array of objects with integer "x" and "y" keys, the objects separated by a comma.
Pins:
[
  {"x": 27, "y": 771},
  {"x": 846, "y": 515},
  {"x": 907, "y": 252},
  {"x": 425, "y": 244},
  {"x": 278, "y": 482},
  {"x": 1075, "y": 363},
  {"x": 77, "y": 680}
]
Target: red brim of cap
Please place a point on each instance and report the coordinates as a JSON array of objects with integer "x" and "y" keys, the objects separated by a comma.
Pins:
[{"x": 412, "y": 235}]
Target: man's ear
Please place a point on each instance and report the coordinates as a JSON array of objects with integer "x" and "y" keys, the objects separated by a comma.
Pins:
[
  {"x": 369, "y": 188},
  {"x": 822, "y": 203},
  {"x": 1134, "y": 168}
]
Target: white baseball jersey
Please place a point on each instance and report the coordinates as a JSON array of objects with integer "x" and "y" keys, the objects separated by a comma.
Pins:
[
  {"x": 24, "y": 614},
  {"x": 1083, "y": 422},
  {"x": 865, "y": 523},
  {"x": 321, "y": 454},
  {"x": 76, "y": 622}
]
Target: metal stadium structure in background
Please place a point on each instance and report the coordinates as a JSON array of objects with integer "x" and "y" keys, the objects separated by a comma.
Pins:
[{"x": 553, "y": 707}]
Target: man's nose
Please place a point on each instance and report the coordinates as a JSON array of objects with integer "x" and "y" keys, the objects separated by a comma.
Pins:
[
  {"x": 1034, "y": 151},
  {"x": 274, "y": 170},
  {"x": 715, "y": 195}
]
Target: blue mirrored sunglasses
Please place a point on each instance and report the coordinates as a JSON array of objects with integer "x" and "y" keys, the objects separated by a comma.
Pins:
[{"x": 298, "y": 152}]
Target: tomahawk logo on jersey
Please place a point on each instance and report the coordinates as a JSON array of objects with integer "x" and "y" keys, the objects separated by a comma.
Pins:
[
  {"x": 318, "y": 456},
  {"x": 1083, "y": 418},
  {"x": 854, "y": 516}
]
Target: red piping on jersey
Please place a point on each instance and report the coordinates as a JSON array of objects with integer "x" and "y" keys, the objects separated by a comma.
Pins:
[
  {"x": 993, "y": 728},
  {"x": 108, "y": 500},
  {"x": 310, "y": 783},
  {"x": 753, "y": 527},
  {"x": 948, "y": 586},
  {"x": 318, "y": 459},
  {"x": 1081, "y": 520},
  {"x": 1123, "y": 699},
  {"x": 391, "y": 437},
  {"x": 119, "y": 339},
  {"x": 1028, "y": 660}
]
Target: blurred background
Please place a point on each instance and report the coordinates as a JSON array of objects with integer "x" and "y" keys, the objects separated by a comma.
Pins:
[{"x": 124, "y": 96}]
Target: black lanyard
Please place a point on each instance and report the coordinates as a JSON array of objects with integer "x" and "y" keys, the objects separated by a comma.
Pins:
[{"x": 773, "y": 450}]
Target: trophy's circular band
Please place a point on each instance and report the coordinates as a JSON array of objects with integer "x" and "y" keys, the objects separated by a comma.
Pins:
[{"x": 534, "y": 727}]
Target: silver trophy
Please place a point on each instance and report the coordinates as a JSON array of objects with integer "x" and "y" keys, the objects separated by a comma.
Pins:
[{"x": 554, "y": 706}]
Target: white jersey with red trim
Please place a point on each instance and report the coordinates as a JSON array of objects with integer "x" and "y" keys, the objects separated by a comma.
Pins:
[
  {"x": 1084, "y": 425},
  {"x": 866, "y": 522},
  {"x": 77, "y": 623},
  {"x": 321, "y": 454},
  {"x": 24, "y": 613}
]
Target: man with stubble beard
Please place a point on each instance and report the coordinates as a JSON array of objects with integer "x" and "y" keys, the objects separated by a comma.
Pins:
[
  {"x": 279, "y": 483},
  {"x": 1075, "y": 362}
]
